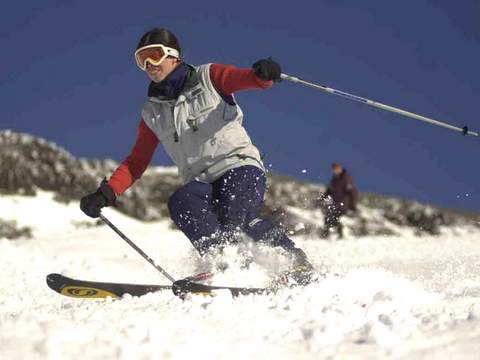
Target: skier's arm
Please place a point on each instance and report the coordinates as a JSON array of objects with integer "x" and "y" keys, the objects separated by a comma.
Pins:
[
  {"x": 135, "y": 164},
  {"x": 229, "y": 79},
  {"x": 352, "y": 192},
  {"x": 354, "y": 195}
]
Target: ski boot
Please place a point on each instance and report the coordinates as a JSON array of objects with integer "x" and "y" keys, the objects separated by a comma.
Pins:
[
  {"x": 184, "y": 286},
  {"x": 302, "y": 272}
]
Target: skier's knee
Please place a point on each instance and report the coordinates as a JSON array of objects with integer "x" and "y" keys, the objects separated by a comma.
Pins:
[
  {"x": 174, "y": 202},
  {"x": 178, "y": 204},
  {"x": 268, "y": 232},
  {"x": 259, "y": 228}
]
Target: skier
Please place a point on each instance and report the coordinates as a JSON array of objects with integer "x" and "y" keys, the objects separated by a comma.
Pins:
[
  {"x": 341, "y": 196},
  {"x": 192, "y": 111}
]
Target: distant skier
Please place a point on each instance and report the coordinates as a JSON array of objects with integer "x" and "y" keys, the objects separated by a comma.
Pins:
[
  {"x": 191, "y": 110},
  {"x": 341, "y": 196}
]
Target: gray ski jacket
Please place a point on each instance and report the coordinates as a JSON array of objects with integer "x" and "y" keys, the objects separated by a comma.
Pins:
[{"x": 200, "y": 131}]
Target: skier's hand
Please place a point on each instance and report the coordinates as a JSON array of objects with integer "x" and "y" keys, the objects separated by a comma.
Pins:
[
  {"x": 267, "y": 69},
  {"x": 91, "y": 204}
]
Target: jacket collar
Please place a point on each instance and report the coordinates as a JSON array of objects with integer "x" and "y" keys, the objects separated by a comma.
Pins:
[{"x": 183, "y": 78}]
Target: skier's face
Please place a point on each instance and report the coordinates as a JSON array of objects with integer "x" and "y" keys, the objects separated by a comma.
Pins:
[
  {"x": 337, "y": 169},
  {"x": 160, "y": 72}
]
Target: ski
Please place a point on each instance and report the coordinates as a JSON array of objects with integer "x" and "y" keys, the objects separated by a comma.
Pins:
[
  {"x": 98, "y": 290},
  {"x": 93, "y": 289},
  {"x": 186, "y": 286}
]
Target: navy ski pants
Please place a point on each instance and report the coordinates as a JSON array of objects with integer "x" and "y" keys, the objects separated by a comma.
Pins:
[{"x": 216, "y": 213}]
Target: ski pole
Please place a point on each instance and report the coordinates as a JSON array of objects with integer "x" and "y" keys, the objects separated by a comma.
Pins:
[
  {"x": 464, "y": 130},
  {"x": 137, "y": 249}
]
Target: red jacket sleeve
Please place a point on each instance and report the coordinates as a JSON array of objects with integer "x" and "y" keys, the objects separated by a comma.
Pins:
[
  {"x": 228, "y": 79},
  {"x": 135, "y": 164}
]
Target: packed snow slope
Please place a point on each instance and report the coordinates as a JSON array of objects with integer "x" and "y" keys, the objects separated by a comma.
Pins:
[{"x": 402, "y": 297}]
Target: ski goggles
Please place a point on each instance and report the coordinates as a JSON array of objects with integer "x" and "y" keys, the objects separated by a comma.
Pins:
[{"x": 154, "y": 54}]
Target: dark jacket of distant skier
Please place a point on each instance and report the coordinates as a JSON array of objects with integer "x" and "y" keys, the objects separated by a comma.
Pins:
[
  {"x": 341, "y": 196},
  {"x": 343, "y": 191},
  {"x": 193, "y": 113}
]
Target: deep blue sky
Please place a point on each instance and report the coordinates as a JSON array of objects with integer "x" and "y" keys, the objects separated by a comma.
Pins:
[{"x": 68, "y": 74}]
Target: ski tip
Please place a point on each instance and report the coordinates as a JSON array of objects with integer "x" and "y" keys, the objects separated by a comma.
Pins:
[
  {"x": 73, "y": 288},
  {"x": 54, "y": 282},
  {"x": 53, "y": 276}
]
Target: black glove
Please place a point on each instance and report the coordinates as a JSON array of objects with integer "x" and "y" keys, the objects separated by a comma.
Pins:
[
  {"x": 91, "y": 204},
  {"x": 267, "y": 69}
]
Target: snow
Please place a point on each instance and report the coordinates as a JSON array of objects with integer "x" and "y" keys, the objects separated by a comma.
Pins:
[{"x": 382, "y": 297}]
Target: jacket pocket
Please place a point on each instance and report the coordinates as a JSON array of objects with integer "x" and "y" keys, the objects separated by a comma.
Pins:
[{"x": 200, "y": 105}]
